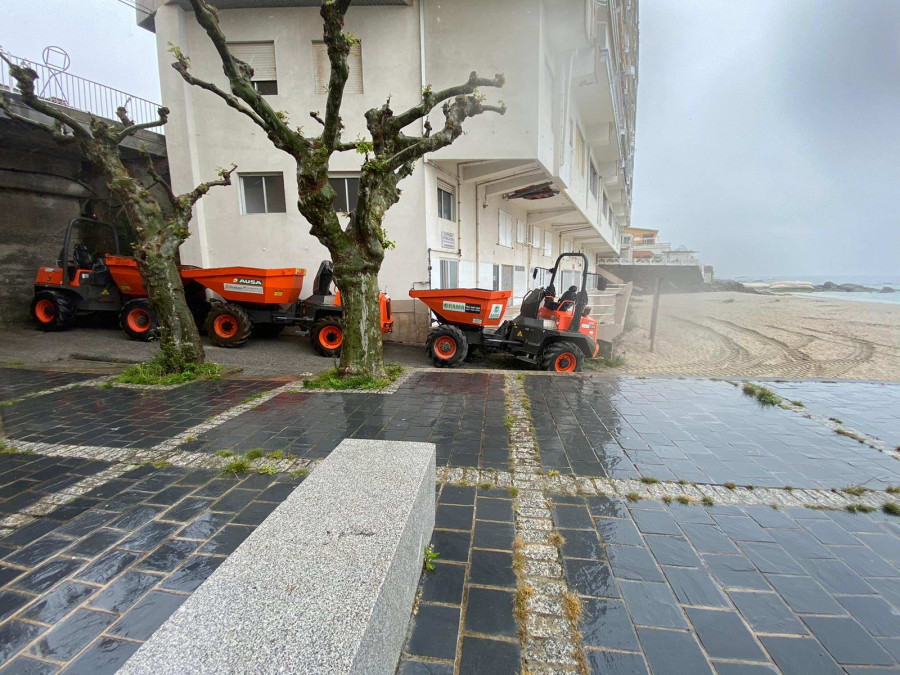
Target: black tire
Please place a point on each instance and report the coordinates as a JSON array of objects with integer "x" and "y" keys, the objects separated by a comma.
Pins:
[
  {"x": 447, "y": 346},
  {"x": 138, "y": 321},
  {"x": 327, "y": 336},
  {"x": 53, "y": 311},
  {"x": 562, "y": 357},
  {"x": 267, "y": 331},
  {"x": 228, "y": 325}
]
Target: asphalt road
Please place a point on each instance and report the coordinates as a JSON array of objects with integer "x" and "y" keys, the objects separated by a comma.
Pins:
[{"x": 101, "y": 347}]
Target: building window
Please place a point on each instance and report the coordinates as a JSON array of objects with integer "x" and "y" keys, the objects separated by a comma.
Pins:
[
  {"x": 579, "y": 151},
  {"x": 594, "y": 181},
  {"x": 505, "y": 229},
  {"x": 445, "y": 200},
  {"x": 449, "y": 274},
  {"x": 548, "y": 243},
  {"x": 520, "y": 231},
  {"x": 261, "y": 57},
  {"x": 322, "y": 65},
  {"x": 605, "y": 207},
  {"x": 347, "y": 188},
  {"x": 535, "y": 237},
  {"x": 262, "y": 193}
]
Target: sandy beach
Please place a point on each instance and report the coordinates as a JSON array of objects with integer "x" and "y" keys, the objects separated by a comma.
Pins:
[{"x": 740, "y": 334}]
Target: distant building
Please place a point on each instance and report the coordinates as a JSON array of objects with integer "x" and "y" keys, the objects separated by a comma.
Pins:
[
  {"x": 643, "y": 258},
  {"x": 553, "y": 174}
]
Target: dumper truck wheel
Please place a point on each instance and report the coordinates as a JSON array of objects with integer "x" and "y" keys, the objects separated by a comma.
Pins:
[
  {"x": 327, "y": 336},
  {"x": 562, "y": 357},
  {"x": 138, "y": 320},
  {"x": 447, "y": 346},
  {"x": 52, "y": 311},
  {"x": 228, "y": 325}
]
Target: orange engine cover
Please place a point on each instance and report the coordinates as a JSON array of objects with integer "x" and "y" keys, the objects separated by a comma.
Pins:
[{"x": 49, "y": 276}]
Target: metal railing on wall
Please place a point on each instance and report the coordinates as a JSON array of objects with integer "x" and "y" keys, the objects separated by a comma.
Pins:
[{"x": 70, "y": 91}]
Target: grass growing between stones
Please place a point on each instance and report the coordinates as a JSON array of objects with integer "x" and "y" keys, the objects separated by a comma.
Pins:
[
  {"x": 7, "y": 449},
  {"x": 856, "y": 490},
  {"x": 840, "y": 431},
  {"x": 300, "y": 473},
  {"x": 649, "y": 480},
  {"x": 236, "y": 466},
  {"x": 155, "y": 373},
  {"x": 332, "y": 379},
  {"x": 267, "y": 470},
  {"x": 224, "y": 453},
  {"x": 765, "y": 396},
  {"x": 255, "y": 453},
  {"x": 891, "y": 508},
  {"x": 859, "y": 508}
]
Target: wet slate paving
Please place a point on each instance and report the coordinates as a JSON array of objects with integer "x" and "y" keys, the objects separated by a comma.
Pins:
[
  {"x": 82, "y": 588},
  {"x": 123, "y": 417},
  {"x": 696, "y": 430},
  {"x": 870, "y": 407},
  {"x": 26, "y": 479},
  {"x": 464, "y": 623},
  {"x": 16, "y": 382},
  {"x": 728, "y": 590},
  {"x": 461, "y": 413}
]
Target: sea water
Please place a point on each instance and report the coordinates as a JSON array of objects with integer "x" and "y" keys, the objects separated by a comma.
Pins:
[{"x": 871, "y": 281}]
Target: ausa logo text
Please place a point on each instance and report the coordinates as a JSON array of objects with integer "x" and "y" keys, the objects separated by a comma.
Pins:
[
  {"x": 249, "y": 282},
  {"x": 238, "y": 285}
]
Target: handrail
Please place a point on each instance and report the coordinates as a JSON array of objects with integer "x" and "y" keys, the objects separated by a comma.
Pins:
[{"x": 70, "y": 91}]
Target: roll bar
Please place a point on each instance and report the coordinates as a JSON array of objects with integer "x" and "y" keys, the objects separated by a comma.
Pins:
[{"x": 67, "y": 242}]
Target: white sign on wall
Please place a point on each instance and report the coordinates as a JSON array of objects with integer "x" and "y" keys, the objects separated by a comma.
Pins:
[{"x": 448, "y": 240}]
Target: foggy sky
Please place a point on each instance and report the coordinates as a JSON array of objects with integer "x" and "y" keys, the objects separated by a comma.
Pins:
[{"x": 768, "y": 132}]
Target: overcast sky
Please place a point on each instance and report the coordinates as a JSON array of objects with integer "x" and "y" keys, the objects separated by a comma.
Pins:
[{"x": 768, "y": 132}]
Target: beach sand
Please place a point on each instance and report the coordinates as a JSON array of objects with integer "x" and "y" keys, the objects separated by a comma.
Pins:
[{"x": 740, "y": 334}]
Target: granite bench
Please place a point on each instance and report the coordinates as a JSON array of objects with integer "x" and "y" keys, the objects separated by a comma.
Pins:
[{"x": 325, "y": 584}]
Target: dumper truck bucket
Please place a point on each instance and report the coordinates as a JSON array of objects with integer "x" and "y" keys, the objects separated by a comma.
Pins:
[{"x": 465, "y": 306}]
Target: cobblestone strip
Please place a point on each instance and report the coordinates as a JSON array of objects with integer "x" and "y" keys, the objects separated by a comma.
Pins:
[
  {"x": 688, "y": 493},
  {"x": 63, "y": 387},
  {"x": 51, "y": 502},
  {"x": 835, "y": 425},
  {"x": 546, "y": 611}
]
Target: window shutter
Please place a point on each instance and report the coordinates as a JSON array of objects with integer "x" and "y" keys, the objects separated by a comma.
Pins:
[
  {"x": 259, "y": 55},
  {"x": 322, "y": 67},
  {"x": 355, "y": 77}
]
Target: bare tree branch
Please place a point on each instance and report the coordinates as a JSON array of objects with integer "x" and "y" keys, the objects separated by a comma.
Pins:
[
  {"x": 181, "y": 65},
  {"x": 191, "y": 198},
  {"x": 56, "y": 130},
  {"x": 134, "y": 128},
  {"x": 431, "y": 99},
  {"x": 455, "y": 114},
  {"x": 157, "y": 177},
  {"x": 26, "y": 78},
  {"x": 338, "y": 44},
  {"x": 122, "y": 113},
  {"x": 239, "y": 77}
]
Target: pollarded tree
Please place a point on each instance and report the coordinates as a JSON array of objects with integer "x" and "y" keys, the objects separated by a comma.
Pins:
[
  {"x": 158, "y": 231},
  {"x": 357, "y": 250}
]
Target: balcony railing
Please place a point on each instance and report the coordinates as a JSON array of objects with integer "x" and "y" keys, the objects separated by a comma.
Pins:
[
  {"x": 70, "y": 91},
  {"x": 672, "y": 258}
]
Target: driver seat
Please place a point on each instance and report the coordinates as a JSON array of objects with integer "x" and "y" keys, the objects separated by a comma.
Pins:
[
  {"x": 83, "y": 258},
  {"x": 531, "y": 303}
]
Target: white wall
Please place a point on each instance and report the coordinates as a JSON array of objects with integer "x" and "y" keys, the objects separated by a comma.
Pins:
[{"x": 205, "y": 134}]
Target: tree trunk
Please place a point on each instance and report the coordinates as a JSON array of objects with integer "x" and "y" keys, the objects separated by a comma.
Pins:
[
  {"x": 179, "y": 339},
  {"x": 361, "y": 352}
]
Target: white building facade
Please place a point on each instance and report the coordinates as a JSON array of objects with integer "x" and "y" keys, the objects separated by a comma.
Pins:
[{"x": 552, "y": 175}]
